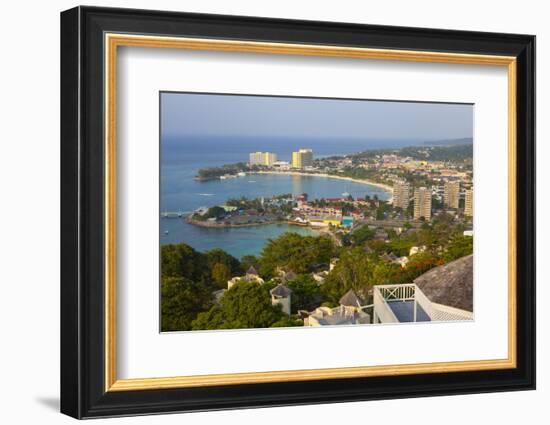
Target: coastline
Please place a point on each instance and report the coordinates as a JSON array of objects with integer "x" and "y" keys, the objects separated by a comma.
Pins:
[
  {"x": 210, "y": 225},
  {"x": 382, "y": 186}
]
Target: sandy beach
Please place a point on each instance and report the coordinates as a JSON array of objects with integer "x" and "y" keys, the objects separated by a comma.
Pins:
[{"x": 383, "y": 186}]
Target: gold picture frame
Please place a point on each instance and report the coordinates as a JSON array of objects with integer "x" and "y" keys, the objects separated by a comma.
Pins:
[{"x": 113, "y": 41}]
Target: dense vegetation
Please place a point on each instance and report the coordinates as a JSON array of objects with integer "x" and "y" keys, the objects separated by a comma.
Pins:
[
  {"x": 190, "y": 278},
  {"x": 213, "y": 172},
  {"x": 440, "y": 153}
]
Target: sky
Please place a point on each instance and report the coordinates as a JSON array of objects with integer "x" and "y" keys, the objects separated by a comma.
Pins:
[{"x": 213, "y": 115}]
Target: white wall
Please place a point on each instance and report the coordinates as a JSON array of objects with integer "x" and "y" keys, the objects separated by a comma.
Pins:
[{"x": 29, "y": 214}]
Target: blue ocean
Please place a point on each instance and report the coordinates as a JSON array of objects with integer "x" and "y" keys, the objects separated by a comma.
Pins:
[{"x": 182, "y": 158}]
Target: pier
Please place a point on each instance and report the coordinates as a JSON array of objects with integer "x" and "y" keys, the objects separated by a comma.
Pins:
[{"x": 173, "y": 214}]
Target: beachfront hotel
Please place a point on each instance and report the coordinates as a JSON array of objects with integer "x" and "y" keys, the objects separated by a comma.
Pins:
[
  {"x": 452, "y": 194},
  {"x": 422, "y": 203},
  {"x": 302, "y": 158},
  {"x": 401, "y": 194},
  {"x": 262, "y": 158}
]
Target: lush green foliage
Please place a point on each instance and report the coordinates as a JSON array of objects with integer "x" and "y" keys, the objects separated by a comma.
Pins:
[
  {"x": 459, "y": 246},
  {"x": 294, "y": 252},
  {"x": 306, "y": 294},
  {"x": 361, "y": 235},
  {"x": 248, "y": 261},
  {"x": 245, "y": 305},
  {"x": 189, "y": 278},
  {"x": 181, "y": 301},
  {"x": 183, "y": 261},
  {"x": 358, "y": 271},
  {"x": 213, "y": 172}
]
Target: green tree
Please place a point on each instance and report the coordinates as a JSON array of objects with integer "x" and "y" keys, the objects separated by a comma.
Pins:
[
  {"x": 214, "y": 212},
  {"x": 287, "y": 322},
  {"x": 353, "y": 271},
  {"x": 183, "y": 261},
  {"x": 221, "y": 273},
  {"x": 245, "y": 305},
  {"x": 459, "y": 246},
  {"x": 248, "y": 261},
  {"x": 306, "y": 294},
  {"x": 402, "y": 245},
  {"x": 181, "y": 302},
  {"x": 362, "y": 234},
  {"x": 377, "y": 246},
  {"x": 295, "y": 252},
  {"x": 217, "y": 255}
]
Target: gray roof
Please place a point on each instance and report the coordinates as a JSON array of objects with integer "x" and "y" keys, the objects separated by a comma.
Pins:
[
  {"x": 281, "y": 291},
  {"x": 252, "y": 270},
  {"x": 350, "y": 299},
  {"x": 290, "y": 275},
  {"x": 450, "y": 284}
]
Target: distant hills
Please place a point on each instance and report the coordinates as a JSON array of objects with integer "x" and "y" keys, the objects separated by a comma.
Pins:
[{"x": 450, "y": 142}]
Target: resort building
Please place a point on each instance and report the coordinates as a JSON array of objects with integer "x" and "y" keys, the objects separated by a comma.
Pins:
[
  {"x": 401, "y": 194},
  {"x": 281, "y": 295},
  {"x": 451, "y": 194},
  {"x": 422, "y": 203},
  {"x": 250, "y": 276},
  {"x": 303, "y": 158},
  {"x": 469, "y": 202},
  {"x": 281, "y": 165},
  {"x": 262, "y": 158},
  {"x": 444, "y": 293}
]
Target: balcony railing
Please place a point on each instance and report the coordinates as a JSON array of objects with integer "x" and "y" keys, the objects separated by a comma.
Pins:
[{"x": 383, "y": 295}]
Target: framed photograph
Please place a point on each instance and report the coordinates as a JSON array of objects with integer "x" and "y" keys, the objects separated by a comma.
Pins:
[{"x": 261, "y": 212}]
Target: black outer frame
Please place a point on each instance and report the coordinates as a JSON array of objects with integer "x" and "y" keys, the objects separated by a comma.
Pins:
[{"x": 82, "y": 207}]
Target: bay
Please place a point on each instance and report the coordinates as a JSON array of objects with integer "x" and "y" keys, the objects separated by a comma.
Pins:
[{"x": 180, "y": 162}]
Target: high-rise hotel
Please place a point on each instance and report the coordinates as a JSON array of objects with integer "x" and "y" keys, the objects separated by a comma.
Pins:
[
  {"x": 401, "y": 194},
  {"x": 469, "y": 202},
  {"x": 451, "y": 195},
  {"x": 422, "y": 203},
  {"x": 302, "y": 158},
  {"x": 262, "y": 158}
]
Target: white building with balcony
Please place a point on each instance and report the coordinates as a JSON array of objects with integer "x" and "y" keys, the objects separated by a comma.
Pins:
[{"x": 444, "y": 293}]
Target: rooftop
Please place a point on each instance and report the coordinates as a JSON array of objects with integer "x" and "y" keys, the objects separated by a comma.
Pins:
[
  {"x": 252, "y": 270},
  {"x": 350, "y": 299},
  {"x": 450, "y": 284},
  {"x": 281, "y": 291}
]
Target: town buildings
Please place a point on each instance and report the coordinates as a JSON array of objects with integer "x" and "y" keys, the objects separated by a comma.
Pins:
[
  {"x": 451, "y": 194},
  {"x": 250, "y": 276},
  {"x": 349, "y": 312},
  {"x": 303, "y": 158},
  {"x": 469, "y": 202},
  {"x": 422, "y": 203},
  {"x": 281, "y": 295},
  {"x": 401, "y": 194},
  {"x": 262, "y": 158}
]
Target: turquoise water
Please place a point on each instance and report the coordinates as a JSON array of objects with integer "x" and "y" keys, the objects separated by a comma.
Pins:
[
  {"x": 237, "y": 241},
  {"x": 247, "y": 240},
  {"x": 179, "y": 192}
]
